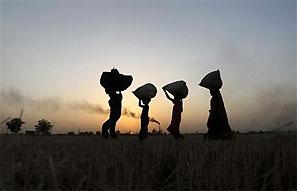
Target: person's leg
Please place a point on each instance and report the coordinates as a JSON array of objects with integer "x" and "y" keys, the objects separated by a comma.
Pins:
[
  {"x": 145, "y": 128},
  {"x": 180, "y": 136},
  {"x": 145, "y": 132},
  {"x": 177, "y": 134},
  {"x": 141, "y": 131},
  {"x": 105, "y": 127},
  {"x": 112, "y": 128},
  {"x": 114, "y": 117},
  {"x": 227, "y": 132},
  {"x": 140, "y": 134},
  {"x": 172, "y": 131},
  {"x": 210, "y": 133},
  {"x": 178, "y": 131},
  {"x": 218, "y": 132}
]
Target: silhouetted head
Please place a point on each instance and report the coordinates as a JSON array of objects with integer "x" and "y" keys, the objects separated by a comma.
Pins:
[
  {"x": 146, "y": 101},
  {"x": 214, "y": 91}
]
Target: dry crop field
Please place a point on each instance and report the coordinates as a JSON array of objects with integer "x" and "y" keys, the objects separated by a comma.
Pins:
[{"x": 251, "y": 162}]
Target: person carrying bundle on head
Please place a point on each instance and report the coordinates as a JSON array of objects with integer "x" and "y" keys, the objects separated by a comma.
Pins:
[
  {"x": 115, "y": 104},
  {"x": 179, "y": 90},
  {"x": 114, "y": 83},
  {"x": 144, "y": 118},
  {"x": 145, "y": 93},
  {"x": 218, "y": 125}
]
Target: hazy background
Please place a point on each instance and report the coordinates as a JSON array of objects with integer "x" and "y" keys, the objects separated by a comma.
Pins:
[{"x": 53, "y": 53}]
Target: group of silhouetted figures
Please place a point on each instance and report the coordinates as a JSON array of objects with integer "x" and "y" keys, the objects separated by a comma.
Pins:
[{"x": 218, "y": 125}]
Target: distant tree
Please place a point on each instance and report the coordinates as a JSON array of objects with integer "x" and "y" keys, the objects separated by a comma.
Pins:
[
  {"x": 14, "y": 125},
  {"x": 43, "y": 126}
]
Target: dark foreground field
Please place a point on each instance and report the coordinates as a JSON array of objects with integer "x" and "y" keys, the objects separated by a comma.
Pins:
[{"x": 258, "y": 161}]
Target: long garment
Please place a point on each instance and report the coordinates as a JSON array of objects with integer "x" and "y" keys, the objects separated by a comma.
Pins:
[
  {"x": 144, "y": 122},
  {"x": 115, "y": 104},
  {"x": 176, "y": 117},
  {"x": 218, "y": 125}
]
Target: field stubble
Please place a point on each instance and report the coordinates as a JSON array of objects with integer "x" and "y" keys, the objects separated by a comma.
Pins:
[{"x": 251, "y": 162}]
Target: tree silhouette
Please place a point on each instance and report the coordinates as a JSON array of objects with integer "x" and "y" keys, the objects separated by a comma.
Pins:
[
  {"x": 43, "y": 126},
  {"x": 14, "y": 125}
]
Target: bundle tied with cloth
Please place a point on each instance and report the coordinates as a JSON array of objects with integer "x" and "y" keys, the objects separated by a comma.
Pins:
[
  {"x": 177, "y": 89},
  {"x": 114, "y": 80},
  {"x": 212, "y": 80},
  {"x": 145, "y": 92}
]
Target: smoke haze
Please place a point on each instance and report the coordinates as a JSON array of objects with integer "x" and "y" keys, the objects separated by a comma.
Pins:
[{"x": 14, "y": 98}]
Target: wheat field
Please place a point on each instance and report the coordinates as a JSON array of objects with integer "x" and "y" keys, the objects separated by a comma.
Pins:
[{"x": 251, "y": 162}]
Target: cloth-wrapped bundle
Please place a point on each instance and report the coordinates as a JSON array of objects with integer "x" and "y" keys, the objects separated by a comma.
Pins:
[
  {"x": 146, "y": 91},
  {"x": 114, "y": 80},
  {"x": 212, "y": 80},
  {"x": 177, "y": 89}
]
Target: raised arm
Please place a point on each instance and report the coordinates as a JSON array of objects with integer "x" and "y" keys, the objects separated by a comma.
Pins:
[
  {"x": 139, "y": 103},
  {"x": 167, "y": 95}
]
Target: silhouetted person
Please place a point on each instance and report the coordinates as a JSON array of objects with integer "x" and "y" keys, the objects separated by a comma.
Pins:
[
  {"x": 218, "y": 125},
  {"x": 176, "y": 115},
  {"x": 115, "y": 104},
  {"x": 144, "y": 118}
]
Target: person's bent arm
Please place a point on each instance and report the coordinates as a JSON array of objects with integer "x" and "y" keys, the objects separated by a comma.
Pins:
[
  {"x": 167, "y": 95},
  {"x": 139, "y": 103}
]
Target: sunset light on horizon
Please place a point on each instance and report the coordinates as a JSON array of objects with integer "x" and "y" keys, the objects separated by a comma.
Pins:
[{"x": 54, "y": 52}]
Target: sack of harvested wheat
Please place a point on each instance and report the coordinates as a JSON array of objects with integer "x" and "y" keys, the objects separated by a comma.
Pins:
[
  {"x": 146, "y": 91},
  {"x": 177, "y": 89},
  {"x": 116, "y": 81},
  {"x": 212, "y": 80}
]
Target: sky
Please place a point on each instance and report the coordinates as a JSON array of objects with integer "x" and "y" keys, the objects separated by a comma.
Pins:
[{"x": 53, "y": 53}]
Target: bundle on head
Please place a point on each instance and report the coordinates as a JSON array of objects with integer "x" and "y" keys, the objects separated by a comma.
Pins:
[
  {"x": 212, "y": 80},
  {"x": 177, "y": 89},
  {"x": 146, "y": 92},
  {"x": 115, "y": 80}
]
